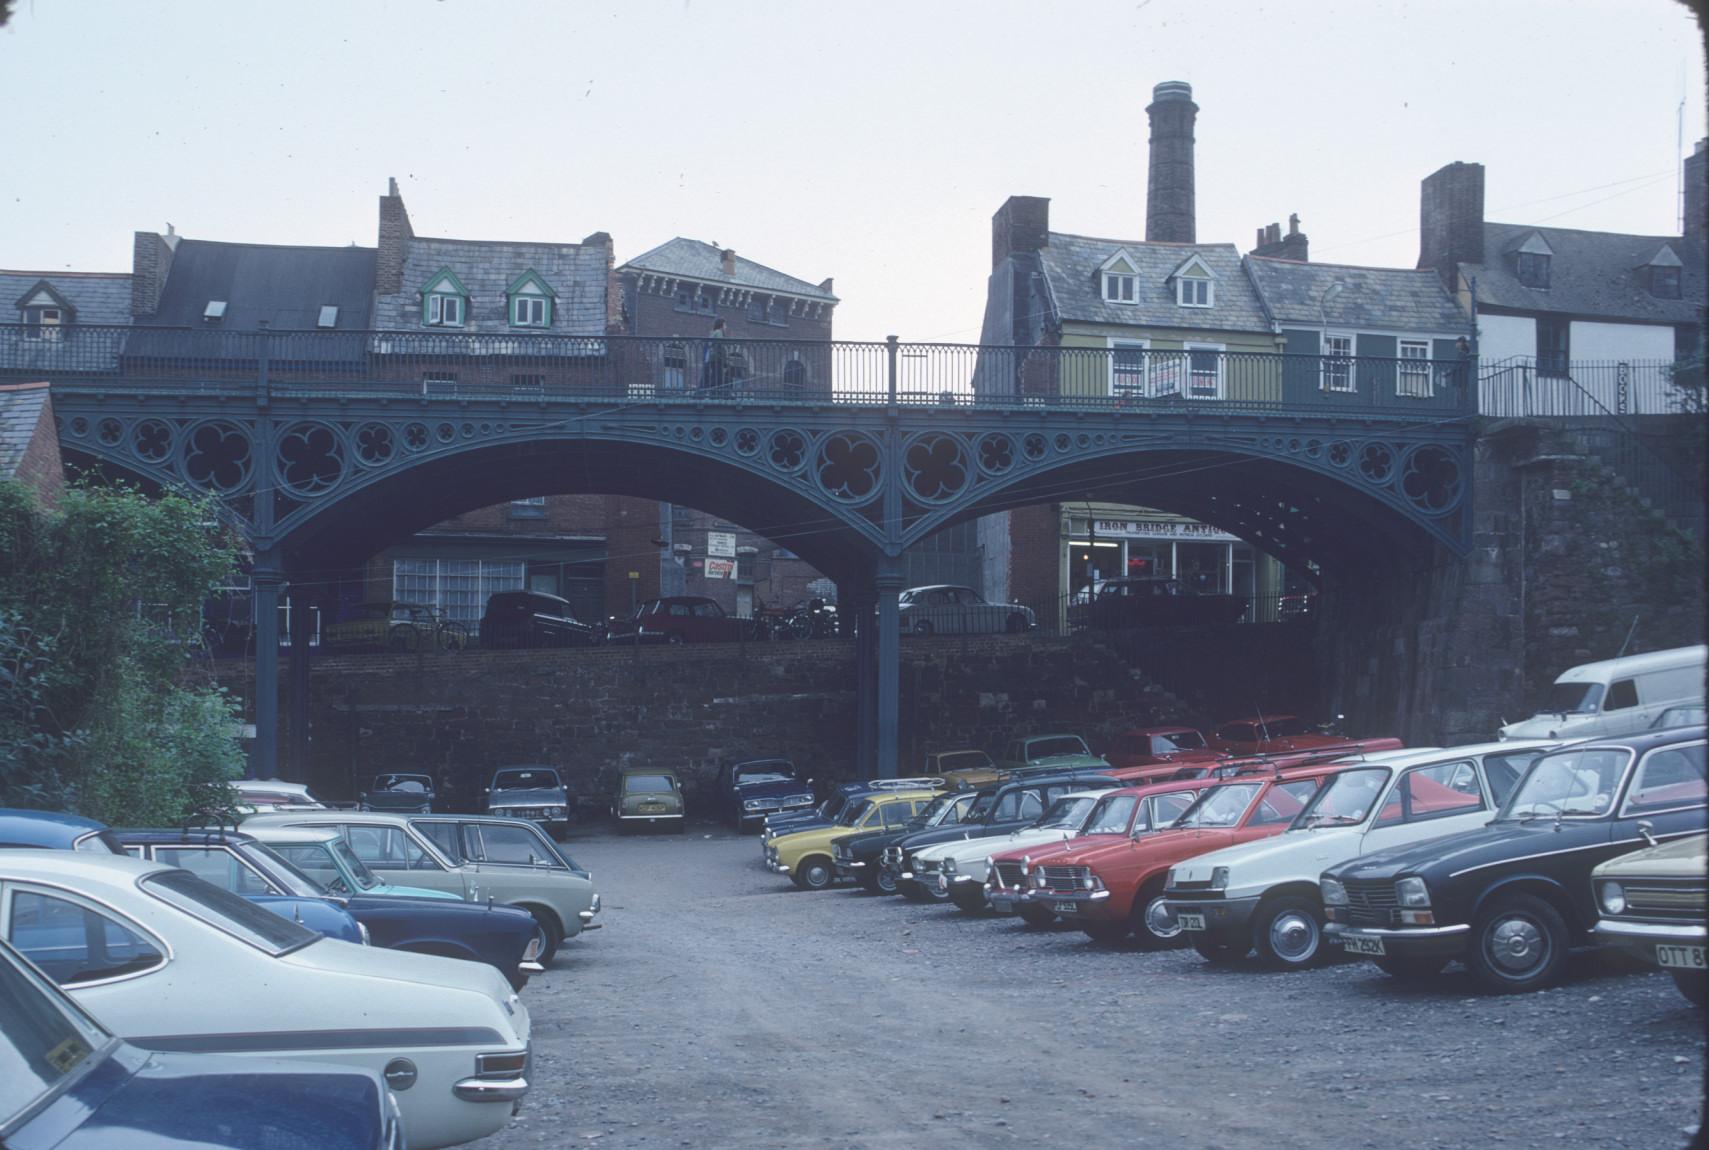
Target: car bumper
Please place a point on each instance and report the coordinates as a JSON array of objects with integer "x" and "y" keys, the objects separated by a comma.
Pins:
[
  {"x": 491, "y": 1089},
  {"x": 1005, "y": 901},
  {"x": 586, "y": 916},
  {"x": 1225, "y": 920},
  {"x": 851, "y": 868},
  {"x": 1078, "y": 906},
  {"x": 1425, "y": 941},
  {"x": 1640, "y": 939},
  {"x": 651, "y": 818}
]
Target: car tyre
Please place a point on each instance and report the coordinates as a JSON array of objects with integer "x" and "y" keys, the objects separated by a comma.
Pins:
[
  {"x": 1410, "y": 966},
  {"x": 923, "y": 627},
  {"x": 675, "y": 639},
  {"x": 1015, "y": 624},
  {"x": 552, "y": 935},
  {"x": 1107, "y": 933},
  {"x": 1518, "y": 944},
  {"x": 1287, "y": 932},
  {"x": 1036, "y": 917},
  {"x": 1216, "y": 953},
  {"x": 814, "y": 872},
  {"x": 1693, "y": 984},
  {"x": 1153, "y": 927},
  {"x": 968, "y": 897},
  {"x": 879, "y": 880}
]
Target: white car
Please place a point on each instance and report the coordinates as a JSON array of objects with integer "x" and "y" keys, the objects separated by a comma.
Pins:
[
  {"x": 1264, "y": 895},
  {"x": 275, "y": 795},
  {"x": 959, "y": 867},
  {"x": 173, "y": 963},
  {"x": 943, "y": 609},
  {"x": 474, "y": 857}
]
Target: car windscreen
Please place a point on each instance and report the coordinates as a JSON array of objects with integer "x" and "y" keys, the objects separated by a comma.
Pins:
[
  {"x": 1066, "y": 814},
  {"x": 1573, "y": 698},
  {"x": 648, "y": 784},
  {"x": 1285, "y": 727},
  {"x": 1112, "y": 815},
  {"x": 44, "y": 1037},
  {"x": 227, "y": 912},
  {"x": 525, "y": 780},
  {"x": 1569, "y": 783},
  {"x": 1063, "y": 745},
  {"x": 854, "y": 812},
  {"x": 1180, "y": 741},
  {"x": 962, "y": 761},
  {"x": 406, "y": 784},
  {"x": 278, "y": 867},
  {"x": 1219, "y": 806},
  {"x": 1344, "y": 799},
  {"x": 769, "y": 773}
]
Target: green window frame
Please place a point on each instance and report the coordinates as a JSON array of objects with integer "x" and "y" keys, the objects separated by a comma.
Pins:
[
  {"x": 528, "y": 301},
  {"x": 444, "y": 301}
]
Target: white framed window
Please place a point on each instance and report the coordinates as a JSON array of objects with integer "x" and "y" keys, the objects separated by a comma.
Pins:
[
  {"x": 1413, "y": 377},
  {"x": 676, "y": 367},
  {"x": 1128, "y": 367},
  {"x": 1195, "y": 291},
  {"x": 1204, "y": 370},
  {"x": 528, "y": 311},
  {"x": 444, "y": 310},
  {"x": 44, "y": 323},
  {"x": 1337, "y": 364},
  {"x": 1118, "y": 287},
  {"x": 457, "y": 588}
]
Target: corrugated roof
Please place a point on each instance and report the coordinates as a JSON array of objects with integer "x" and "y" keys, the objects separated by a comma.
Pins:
[
  {"x": 703, "y": 262},
  {"x": 99, "y": 297},
  {"x": 1071, "y": 265},
  {"x": 574, "y": 272},
  {"x": 1380, "y": 299},
  {"x": 22, "y": 408},
  {"x": 1590, "y": 274}
]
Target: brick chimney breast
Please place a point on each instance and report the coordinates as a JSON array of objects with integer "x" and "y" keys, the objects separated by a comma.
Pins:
[
  {"x": 395, "y": 234},
  {"x": 1021, "y": 225},
  {"x": 151, "y": 263},
  {"x": 1169, "y": 209},
  {"x": 729, "y": 260},
  {"x": 1451, "y": 220},
  {"x": 1696, "y": 205}
]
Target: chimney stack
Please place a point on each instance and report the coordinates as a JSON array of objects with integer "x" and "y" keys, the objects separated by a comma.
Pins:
[
  {"x": 1451, "y": 220},
  {"x": 1169, "y": 188},
  {"x": 1293, "y": 246},
  {"x": 395, "y": 234},
  {"x": 729, "y": 261},
  {"x": 151, "y": 263},
  {"x": 1020, "y": 226},
  {"x": 1696, "y": 194}
]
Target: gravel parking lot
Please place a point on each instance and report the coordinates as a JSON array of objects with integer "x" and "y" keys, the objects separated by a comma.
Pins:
[{"x": 721, "y": 1007}]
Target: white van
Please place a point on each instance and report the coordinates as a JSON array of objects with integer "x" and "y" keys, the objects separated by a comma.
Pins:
[{"x": 1616, "y": 696}]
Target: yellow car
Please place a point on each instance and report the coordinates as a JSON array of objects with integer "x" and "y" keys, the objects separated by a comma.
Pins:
[{"x": 805, "y": 856}]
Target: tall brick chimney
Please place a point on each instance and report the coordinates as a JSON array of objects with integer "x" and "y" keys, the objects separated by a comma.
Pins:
[
  {"x": 1169, "y": 187},
  {"x": 1021, "y": 225},
  {"x": 1293, "y": 246},
  {"x": 1696, "y": 194},
  {"x": 1451, "y": 219},
  {"x": 395, "y": 234},
  {"x": 151, "y": 262}
]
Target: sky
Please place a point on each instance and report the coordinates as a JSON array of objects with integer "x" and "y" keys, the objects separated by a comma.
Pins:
[{"x": 866, "y": 140}]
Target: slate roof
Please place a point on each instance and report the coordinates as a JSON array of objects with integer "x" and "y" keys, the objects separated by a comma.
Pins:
[
  {"x": 1071, "y": 263},
  {"x": 284, "y": 285},
  {"x": 703, "y": 262},
  {"x": 22, "y": 408},
  {"x": 1590, "y": 274},
  {"x": 99, "y": 297},
  {"x": 1371, "y": 299},
  {"x": 574, "y": 272}
]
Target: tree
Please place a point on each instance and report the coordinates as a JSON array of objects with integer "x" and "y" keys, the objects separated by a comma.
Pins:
[{"x": 100, "y": 608}]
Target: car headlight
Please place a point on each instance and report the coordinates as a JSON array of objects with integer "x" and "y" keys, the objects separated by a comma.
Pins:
[
  {"x": 1334, "y": 893},
  {"x": 1412, "y": 892},
  {"x": 752, "y": 804},
  {"x": 554, "y": 812},
  {"x": 947, "y": 864},
  {"x": 1219, "y": 878},
  {"x": 1038, "y": 878},
  {"x": 1612, "y": 897}
]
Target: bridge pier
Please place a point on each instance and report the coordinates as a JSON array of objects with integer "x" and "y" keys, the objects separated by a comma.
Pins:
[
  {"x": 858, "y": 603},
  {"x": 889, "y": 584},
  {"x": 264, "y": 758},
  {"x": 302, "y": 630}
]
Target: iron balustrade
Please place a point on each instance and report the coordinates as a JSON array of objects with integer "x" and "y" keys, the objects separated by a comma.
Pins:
[
  {"x": 1524, "y": 387},
  {"x": 524, "y": 366}
]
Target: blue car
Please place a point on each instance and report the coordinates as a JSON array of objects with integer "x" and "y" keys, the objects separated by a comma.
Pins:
[
  {"x": 749, "y": 790},
  {"x": 73, "y": 1085},
  {"x": 56, "y": 830}
]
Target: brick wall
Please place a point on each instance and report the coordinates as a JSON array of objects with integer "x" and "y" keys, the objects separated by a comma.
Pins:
[
  {"x": 38, "y": 466},
  {"x": 1035, "y": 541}
]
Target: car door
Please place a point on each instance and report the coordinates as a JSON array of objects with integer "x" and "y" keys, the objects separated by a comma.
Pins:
[
  {"x": 1667, "y": 790},
  {"x": 1428, "y": 802},
  {"x": 1621, "y": 712}
]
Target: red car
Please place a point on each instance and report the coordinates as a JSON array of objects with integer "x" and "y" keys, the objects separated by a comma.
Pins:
[
  {"x": 679, "y": 619},
  {"x": 1120, "y": 815},
  {"x": 1279, "y": 734},
  {"x": 1157, "y": 746},
  {"x": 1116, "y": 890}
]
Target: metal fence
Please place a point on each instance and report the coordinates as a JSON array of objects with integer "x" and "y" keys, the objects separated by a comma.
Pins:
[{"x": 1525, "y": 387}]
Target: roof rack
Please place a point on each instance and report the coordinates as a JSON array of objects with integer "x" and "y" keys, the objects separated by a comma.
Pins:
[{"x": 906, "y": 784}]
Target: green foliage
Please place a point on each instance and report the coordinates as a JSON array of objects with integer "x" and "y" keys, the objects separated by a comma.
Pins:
[{"x": 100, "y": 608}]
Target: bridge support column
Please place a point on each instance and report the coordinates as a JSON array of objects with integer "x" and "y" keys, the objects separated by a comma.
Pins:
[
  {"x": 302, "y": 630},
  {"x": 889, "y": 585},
  {"x": 264, "y": 757},
  {"x": 856, "y": 611}
]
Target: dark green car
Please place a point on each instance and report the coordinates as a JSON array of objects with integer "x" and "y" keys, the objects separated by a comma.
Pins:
[{"x": 648, "y": 797}]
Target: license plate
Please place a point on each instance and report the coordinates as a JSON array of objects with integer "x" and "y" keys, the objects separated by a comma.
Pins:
[
  {"x": 943, "y": 883},
  {"x": 1681, "y": 957},
  {"x": 1002, "y": 905},
  {"x": 1191, "y": 921},
  {"x": 1065, "y": 907},
  {"x": 1358, "y": 944}
]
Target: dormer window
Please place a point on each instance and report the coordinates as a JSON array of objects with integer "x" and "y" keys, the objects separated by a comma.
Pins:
[
  {"x": 1118, "y": 278},
  {"x": 45, "y": 312},
  {"x": 42, "y": 322},
  {"x": 1664, "y": 282},
  {"x": 1534, "y": 269},
  {"x": 1195, "y": 283},
  {"x": 444, "y": 301},
  {"x": 529, "y": 300}
]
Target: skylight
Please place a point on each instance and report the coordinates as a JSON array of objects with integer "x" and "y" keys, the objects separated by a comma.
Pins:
[
  {"x": 328, "y": 316},
  {"x": 215, "y": 311}
]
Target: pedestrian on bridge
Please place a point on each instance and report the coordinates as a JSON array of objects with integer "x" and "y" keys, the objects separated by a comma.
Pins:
[{"x": 712, "y": 360}]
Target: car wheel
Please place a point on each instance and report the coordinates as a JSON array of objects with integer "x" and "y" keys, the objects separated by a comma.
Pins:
[
  {"x": 1410, "y": 966},
  {"x": 879, "y": 881},
  {"x": 675, "y": 639},
  {"x": 1015, "y": 624},
  {"x": 1518, "y": 944},
  {"x": 1036, "y": 917},
  {"x": 1108, "y": 933},
  {"x": 453, "y": 637},
  {"x": 814, "y": 872},
  {"x": 1154, "y": 927},
  {"x": 402, "y": 639},
  {"x": 1215, "y": 953},
  {"x": 1693, "y": 984},
  {"x": 552, "y": 935},
  {"x": 923, "y": 627},
  {"x": 1288, "y": 933},
  {"x": 967, "y": 896}
]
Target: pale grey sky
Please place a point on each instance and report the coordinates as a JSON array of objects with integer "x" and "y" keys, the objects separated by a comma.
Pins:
[{"x": 869, "y": 140}]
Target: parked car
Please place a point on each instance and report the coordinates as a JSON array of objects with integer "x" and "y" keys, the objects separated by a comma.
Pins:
[
  {"x": 275, "y": 794},
  {"x": 172, "y": 962},
  {"x": 473, "y": 857},
  {"x": 647, "y": 796},
  {"x": 996, "y": 810},
  {"x": 750, "y": 789},
  {"x": 55, "y": 830},
  {"x": 1049, "y": 753},
  {"x": 961, "y": 867},
  {"x": 845, "y": 796},
  {"x": 534, "y": 619},
  {"x": 858, "y": 855},
  {"x": 962, "y": 768},
  {"x": 1115, "y": 891},
  {"x": 400, "y": 793},
  {"x": 1681, "y": 715},
  {"x": 679, "y": 619},
  {"x": 1268, "y": 898},
  {"x": 1652, "y": 906},
  {"x": 1127, "y": 813},
  {"x": 1159, "y": 747},
  {"x": 262, "y": 863},
  {"x": 536, "y": 793},
  {"x": 805, "y": 856},
  {"x": 1142, "y": 602},
  {"x": 394, "y": 627},
  {"x": 1509, "y": 899},
  {"x": 75, "y": 1085},
  {"x": 944, "y": 609},
  {"x": 1283, "y": 734},
  {"x": 1615, "y": 696}
]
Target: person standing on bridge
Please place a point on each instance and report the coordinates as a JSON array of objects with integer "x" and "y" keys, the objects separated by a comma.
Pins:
[{"x": 712, "y": 360}]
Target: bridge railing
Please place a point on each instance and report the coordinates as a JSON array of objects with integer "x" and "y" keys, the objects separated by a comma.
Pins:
[
  {"x": 1528, "y": 387},
  {"x": 542, "y": 366}
]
